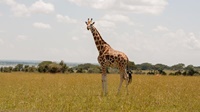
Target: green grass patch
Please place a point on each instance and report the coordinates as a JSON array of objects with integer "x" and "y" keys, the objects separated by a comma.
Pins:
[{"x": 82, "y": 92}]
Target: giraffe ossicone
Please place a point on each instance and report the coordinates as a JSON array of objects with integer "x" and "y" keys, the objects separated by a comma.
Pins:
[{"x": 108, "y": 57}]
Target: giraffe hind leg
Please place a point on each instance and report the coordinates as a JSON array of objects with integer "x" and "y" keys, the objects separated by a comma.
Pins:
[
  {"x": 127, "y": 79},
  {"x": 120, "y": 84},
  {"x": 127, "y": 82}
]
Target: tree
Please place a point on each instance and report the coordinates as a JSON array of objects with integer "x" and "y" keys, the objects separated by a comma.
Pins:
[
  {"x": 26, "y": 67},
  {"x": 64, "y": 67},
  {"x": 87, "y": 67},
  {"x": 131, "y": 65},
  {"x": 70, "y": 70},
  {"x": 54, "y": 68},
  {"x": 162, "y": 72},
  {"x": 18, "y": 67},
  {"x": 178, "y": 72},
  {"x": 145, "y": 66},
  {"x": 179, "y": 66},
  {"x": 7, "y": 69},
  {"x": 10, "y": 68},
  {"x": 32, "y": 69},
  {"x": 190, "y": 71},
  {"x": 43, "y": 67},
  {"x": 79, "y": 70},
  {"x": 1, "y": 69},
  {"x": 161, "y": 67}
]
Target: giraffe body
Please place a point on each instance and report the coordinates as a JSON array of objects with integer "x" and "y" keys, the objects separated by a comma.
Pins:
[
  {"x": 113, "y": 58},
  {"x": 108, "y": 57}
]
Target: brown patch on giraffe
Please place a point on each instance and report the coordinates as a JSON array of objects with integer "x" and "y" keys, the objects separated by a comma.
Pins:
[
  {"x": 95, "y": 38},
  {"x": 98, "y": 47},
  {"x": 112, "y": 59},
  {"x": 97, "y": 42},
  {"x": 107, "y": 57},
  {"x": 115, "y": 57}
]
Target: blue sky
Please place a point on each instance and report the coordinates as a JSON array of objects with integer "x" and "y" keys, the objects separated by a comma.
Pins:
[{"x": 155, "y": 31}]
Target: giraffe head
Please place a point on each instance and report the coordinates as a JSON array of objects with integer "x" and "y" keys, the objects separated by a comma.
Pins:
[{"x": 89, "y": 24}]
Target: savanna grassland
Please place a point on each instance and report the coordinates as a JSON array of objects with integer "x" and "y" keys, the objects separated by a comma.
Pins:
[{"x": 82, "y": 92}]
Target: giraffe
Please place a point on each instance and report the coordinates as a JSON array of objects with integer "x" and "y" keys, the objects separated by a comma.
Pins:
[{"x": 108, "y": 57}]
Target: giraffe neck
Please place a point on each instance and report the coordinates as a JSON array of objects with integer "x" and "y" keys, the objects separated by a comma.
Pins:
[{"x": 100, "y": 43}]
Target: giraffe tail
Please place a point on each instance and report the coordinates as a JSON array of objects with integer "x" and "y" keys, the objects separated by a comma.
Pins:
[
  {"x": 129, "y": 72},
  {"x": 129, "y": 76}
]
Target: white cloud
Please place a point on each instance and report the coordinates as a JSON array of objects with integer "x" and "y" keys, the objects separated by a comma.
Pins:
[
  {"x": 22, "y": 37},
  {"x": 143, "y": 6},
  {"x": 65, "y": 19},
  {"x": 41, "y": 25},
  {"x": 106, "y": 24},
  {"x": 180, "y": 40},
  {"x": 133, "y": 6},
  {"x": 192, "y": 41},
  {"x": 97, "y": 4},
  {"x": 117, "y": 18},
  {"x": 42, "y": 7},
  {"x": 111, "y": 20},
  {"x": 160, "y": 29},
  {"x": 20, "y": 9}
]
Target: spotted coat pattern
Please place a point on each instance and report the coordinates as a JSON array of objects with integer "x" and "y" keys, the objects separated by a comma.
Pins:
[{"x": 108, "y": 57}]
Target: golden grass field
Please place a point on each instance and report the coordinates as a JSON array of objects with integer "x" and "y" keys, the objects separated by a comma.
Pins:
[{"x": 34, "y": 92}]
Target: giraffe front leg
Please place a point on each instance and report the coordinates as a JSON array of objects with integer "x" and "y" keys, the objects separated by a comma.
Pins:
[
  {"x": 104, "y": 81},
  {"x": 104, "y": 84}
]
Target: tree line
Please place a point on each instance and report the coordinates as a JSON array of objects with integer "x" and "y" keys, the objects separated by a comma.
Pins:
[
  {"x": 177, "y": 69},
  {"x": 43, "y": 67},
  {"x": 144, "y": 68}
]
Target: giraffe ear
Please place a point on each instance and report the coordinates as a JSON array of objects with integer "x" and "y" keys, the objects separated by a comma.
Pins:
[
  {"x": 93, "y": 23},
  {"x": 85, "y": 22}
]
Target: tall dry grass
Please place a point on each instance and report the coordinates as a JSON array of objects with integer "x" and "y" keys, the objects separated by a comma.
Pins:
[{"x": 82, "y": 92}]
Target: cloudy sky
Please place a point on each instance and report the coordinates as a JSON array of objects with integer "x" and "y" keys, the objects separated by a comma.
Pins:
[{"x": 155, "y": 31}]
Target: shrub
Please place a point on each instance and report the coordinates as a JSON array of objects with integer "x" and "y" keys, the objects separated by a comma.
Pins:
[
  {"x": 54, "y": 68},
  {"x": 43, "y": 66}
]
